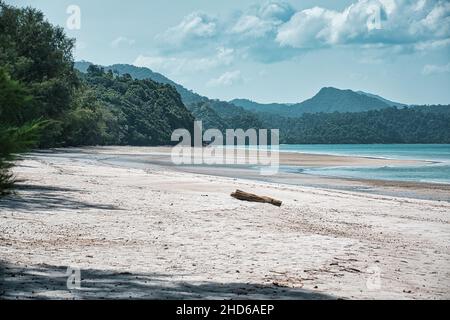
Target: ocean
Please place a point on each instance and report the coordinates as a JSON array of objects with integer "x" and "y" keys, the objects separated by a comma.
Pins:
[{"x": 436, "y": 170}]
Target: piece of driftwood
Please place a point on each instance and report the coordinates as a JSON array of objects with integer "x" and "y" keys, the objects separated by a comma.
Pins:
[{"x": 241, "y": 195}]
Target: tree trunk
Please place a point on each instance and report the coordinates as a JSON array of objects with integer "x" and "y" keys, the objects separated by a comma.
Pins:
[{"x": 241, "y": 195}]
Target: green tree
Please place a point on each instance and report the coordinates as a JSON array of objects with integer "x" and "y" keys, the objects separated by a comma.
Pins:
[
  {"x": 14, "y": 138},
  {"x": 39, "y": 56}
]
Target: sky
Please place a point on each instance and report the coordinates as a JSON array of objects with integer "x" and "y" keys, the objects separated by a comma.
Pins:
[{"x": 269, "y": 51}]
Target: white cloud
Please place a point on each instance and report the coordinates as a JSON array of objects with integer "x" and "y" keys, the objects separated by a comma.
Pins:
[
  {"x": 438, "y": 19},
  {"x": 182, "y": 65},
  {"x": 308, "y": 28},
  {"x": 432, "y": 45},
  {"x": 388, "y": 22},
  {"x": 435, "y": 69},
  {"x": 119, "y": 41},
  {"x": 276, "y": 11},
  {"x": 274, "y": 31},
  {"x": 227, "y": 79},
  {"x": 251, "y": 26},
  {"x": 195, "y": 26},
  {"x": 262, "y": 19}
]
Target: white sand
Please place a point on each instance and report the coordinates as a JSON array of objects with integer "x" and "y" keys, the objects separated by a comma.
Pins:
[{"x": 160, "y": 233}]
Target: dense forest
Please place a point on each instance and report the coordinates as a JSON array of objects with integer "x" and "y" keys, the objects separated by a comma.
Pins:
[
  {"x": 126, "y": 111},
  {"x": 46, "y": 102},
  {"x": 141, "y": 73},
  {"x": 390, "y": 125},
  {"x": 214, "y": 113},
  {"x": 420, "y": 124},
  {"x": 331, "y": 116}
]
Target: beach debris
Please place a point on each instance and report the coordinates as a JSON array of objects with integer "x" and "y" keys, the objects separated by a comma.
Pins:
[
  {"x": 245, "y": 196},
  {"x": 354, "y": 270}
]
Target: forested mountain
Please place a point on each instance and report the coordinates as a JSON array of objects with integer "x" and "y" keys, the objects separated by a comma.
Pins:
[
  {"x": 434, "y": 108},
  {"x": 335, "y": 100},
  {"x": 135, "y": 112},
  {"x": 327, "y": 100},
  {"x": 274, "y": 108},
  {"x": 389, "y": 102},
  {"x": 390, "y": 125},
  {"x": 243, "y": 113},
  {"x": 210, "y": 118},
  {"x": 331, "y": 116},
  {"x": 214, "y": 113},
  {"x": 142, "y": 73}
]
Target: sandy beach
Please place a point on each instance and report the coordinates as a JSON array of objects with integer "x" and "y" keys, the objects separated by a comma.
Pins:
[{"x": 157, "y": 231}]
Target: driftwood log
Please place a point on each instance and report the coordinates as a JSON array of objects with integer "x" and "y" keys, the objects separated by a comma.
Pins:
[{"x": 241, "y": 195}]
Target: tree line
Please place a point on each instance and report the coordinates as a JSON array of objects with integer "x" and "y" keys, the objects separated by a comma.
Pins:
[
  {"x": 45, "y": 102},
  {"x": 390, "y": 125}
]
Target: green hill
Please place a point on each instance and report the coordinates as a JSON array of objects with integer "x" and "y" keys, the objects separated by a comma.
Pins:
[
  {"x": 143, "y": 112},
  {"x": 327, "y": 100},
  {"x": 142, "y": 73},
  {"x": 214, "y": 113},
  {"x": 330, "y": 99}
]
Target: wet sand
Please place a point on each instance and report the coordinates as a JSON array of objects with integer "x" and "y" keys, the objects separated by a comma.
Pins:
[{"x": 141, "y": 158}]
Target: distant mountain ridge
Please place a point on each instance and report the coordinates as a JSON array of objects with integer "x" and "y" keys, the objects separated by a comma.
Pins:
[
  {"x": 261, "y": 107},
  {"x": 327, "y": 100},
  {"x": 330, "y": 99},
  {"x": 331, "y": 116},
  {"x": 389, "y": 102},
  {"x": 214, "y": 113},
  {"x": 141, "y": 73}
]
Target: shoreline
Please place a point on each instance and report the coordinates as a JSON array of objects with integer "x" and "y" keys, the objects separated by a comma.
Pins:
[
  {"x": 432, "y": 161},
  {"x": 161, "y": 233},
  {"x": 142, "y": 157}
]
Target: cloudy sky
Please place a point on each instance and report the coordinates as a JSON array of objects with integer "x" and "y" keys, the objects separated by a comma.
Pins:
[{"x": 270, "y": 51}]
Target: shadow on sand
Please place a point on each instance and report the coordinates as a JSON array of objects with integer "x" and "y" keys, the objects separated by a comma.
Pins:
[
  {"x": 50, "y": 282},
  {"x": 33, "y": 198}
]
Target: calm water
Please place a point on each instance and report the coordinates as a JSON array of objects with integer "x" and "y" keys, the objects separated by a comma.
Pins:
[
  {"x": 437, "y": 171},
  {"x": 433, "y": 152}
]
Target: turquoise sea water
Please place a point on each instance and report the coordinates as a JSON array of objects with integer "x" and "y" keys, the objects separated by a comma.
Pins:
[{"x": 437, "y": 170}]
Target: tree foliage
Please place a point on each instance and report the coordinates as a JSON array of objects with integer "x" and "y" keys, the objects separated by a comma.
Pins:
[
  {"x": 135, "y": 112},
  {"x": 14, "y": 138},
  {"x": 391, "y": 125},
  {"x": 45, "y": 102}
]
